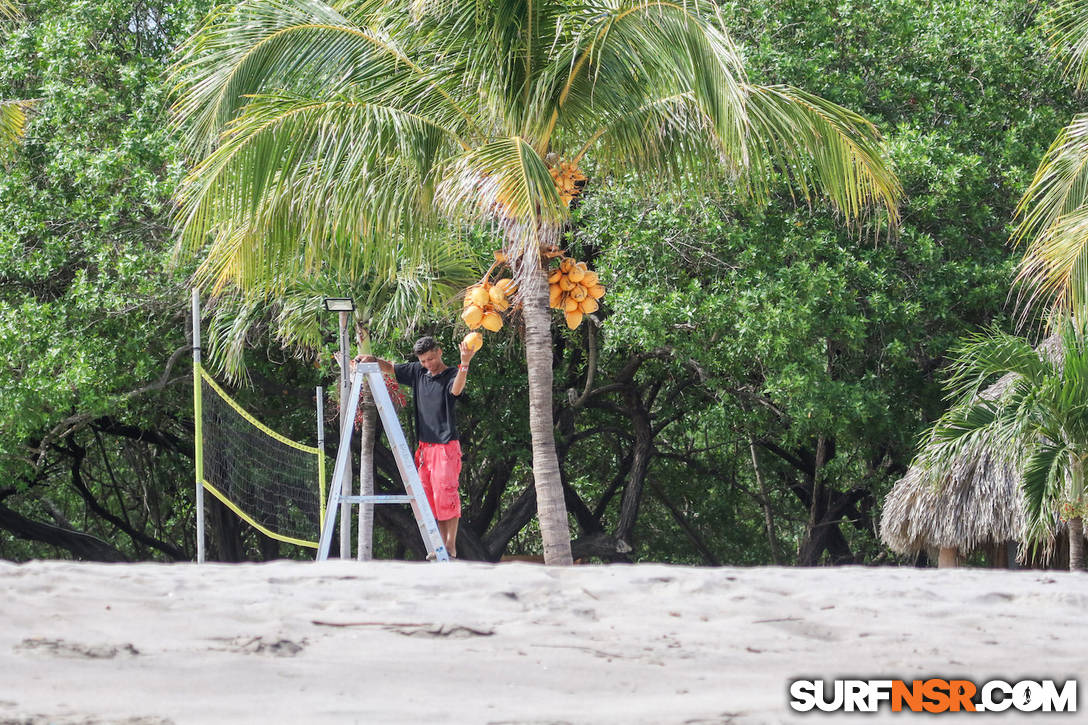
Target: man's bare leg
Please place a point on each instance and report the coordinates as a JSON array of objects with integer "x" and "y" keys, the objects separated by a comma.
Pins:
[{"x": 448, "y": 530}]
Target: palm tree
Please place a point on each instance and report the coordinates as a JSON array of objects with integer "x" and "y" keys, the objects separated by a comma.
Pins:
[
  {"x": 385, "y": 122},
  {"x": 1053, "y": 212},
  {"x": 1036, "y": 417}
]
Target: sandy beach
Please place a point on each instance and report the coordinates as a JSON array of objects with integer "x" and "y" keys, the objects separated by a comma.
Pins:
[{"x": 394, "y": 642}]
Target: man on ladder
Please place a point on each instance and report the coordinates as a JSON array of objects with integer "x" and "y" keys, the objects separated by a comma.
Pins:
[{"x": 435, "y": 390}]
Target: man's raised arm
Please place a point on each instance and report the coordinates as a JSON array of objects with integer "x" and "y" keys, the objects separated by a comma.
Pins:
[{"x": 462, "y": 370}]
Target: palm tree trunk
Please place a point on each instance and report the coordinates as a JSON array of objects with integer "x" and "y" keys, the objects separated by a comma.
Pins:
[
  {"x": 1076, "y": 524},
  {"x": 367, "y": 434},
  {"x": 1076, "y": 544},
  {"x": 551, "y": 508}
]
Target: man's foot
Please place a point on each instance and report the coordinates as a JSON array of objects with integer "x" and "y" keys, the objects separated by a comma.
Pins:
[{"x": 431, "y": 556}]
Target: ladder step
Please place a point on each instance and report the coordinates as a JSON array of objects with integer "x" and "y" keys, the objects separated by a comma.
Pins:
[
  {"x": 428, "y": 527},
  {"x": 376, "y": 499}
]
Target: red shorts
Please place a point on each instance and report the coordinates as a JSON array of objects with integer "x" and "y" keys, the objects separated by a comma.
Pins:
[{"x": 439, "y": 467}]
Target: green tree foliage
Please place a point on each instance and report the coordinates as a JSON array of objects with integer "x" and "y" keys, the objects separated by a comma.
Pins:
[
  {"x": 724, "y": 329},
  {"x": 89, "y": 311},
  {"x": 12, "y": 112},
  {"x": 810, "y": 339},
  {"x": 386, "y": 123}
]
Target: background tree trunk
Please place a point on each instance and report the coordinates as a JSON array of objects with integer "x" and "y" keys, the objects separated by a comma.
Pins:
[
  {"x": 551, "y": 508},
  {"x": 640, "y": 462},
  {"x": 226, "y": 531},
  {"x": 765, "y": 501},
  {"x": 815, "y": 538}
]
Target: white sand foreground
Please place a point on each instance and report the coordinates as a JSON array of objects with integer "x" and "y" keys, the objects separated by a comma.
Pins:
[{"x": 395, "y": 642}]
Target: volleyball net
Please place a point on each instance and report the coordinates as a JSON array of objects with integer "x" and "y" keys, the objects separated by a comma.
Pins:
[{"x": 271, "y": 482}]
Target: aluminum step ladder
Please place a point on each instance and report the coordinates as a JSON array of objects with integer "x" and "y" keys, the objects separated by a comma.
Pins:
[{"x": 413, "y": 487}]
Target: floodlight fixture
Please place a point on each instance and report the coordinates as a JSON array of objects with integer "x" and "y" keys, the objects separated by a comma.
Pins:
[{"x": 339, "y": 304}]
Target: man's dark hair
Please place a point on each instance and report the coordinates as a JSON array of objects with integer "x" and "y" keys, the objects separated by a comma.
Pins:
[{"x": 424, "y": 344}]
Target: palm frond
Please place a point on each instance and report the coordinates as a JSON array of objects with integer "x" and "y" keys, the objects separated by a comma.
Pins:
[
  {"x": 1072, "y": 397},
  {"x": 960, "y": 431},
  {"x": 962, "y": 422},
  {"x": 1001, "y": 419},
  {"x": 660, "y": 88},
  {"x": 296, "y": 318},
  {"x": 506, "y": 180},
  {"x": 824, "y": 148},
  {"x": 12, "y": 123},
  {"x": 234, "y": 322},
  {"x": 1043, "y": 482},
  {"x": 627, "y": 56},
  {"x": 1053, "y": 223},
  {"x": 668, "y": 138},
  {"x": 421, "y": 289},
  {"x": 1068, "y": 26},
  {"x": 300, "y": 46},
  {"x": 293, "y": 175},
  {"x": 499, "y": 50},
  {"x": 984, "y": 356}
]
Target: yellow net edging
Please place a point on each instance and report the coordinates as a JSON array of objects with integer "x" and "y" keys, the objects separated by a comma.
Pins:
[
  {"x": 249, "y": 520},
  {"x": 265, "y": 478},
  {"x": 253, "y": 421}
]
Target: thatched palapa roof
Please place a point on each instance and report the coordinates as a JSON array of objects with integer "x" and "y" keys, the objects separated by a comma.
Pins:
[{"x": 975, "y": 502}]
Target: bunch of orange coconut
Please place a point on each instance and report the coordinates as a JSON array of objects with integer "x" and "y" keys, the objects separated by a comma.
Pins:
[
  {"x": 484, "y": 305},
  {"x": 568, "y": 180},
  {"x": 574, "y": 289}
]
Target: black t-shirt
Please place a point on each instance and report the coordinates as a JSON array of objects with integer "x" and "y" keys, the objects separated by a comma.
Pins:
[{"x": 433, "y": 401}]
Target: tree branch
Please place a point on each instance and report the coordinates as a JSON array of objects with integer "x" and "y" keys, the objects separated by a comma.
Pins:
[
  {"x": 83, "y": 546},
  {"x": 591, "y": 368},
  {"x": 75, "y": 422},
  {"x": 78, "y": 453}
]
